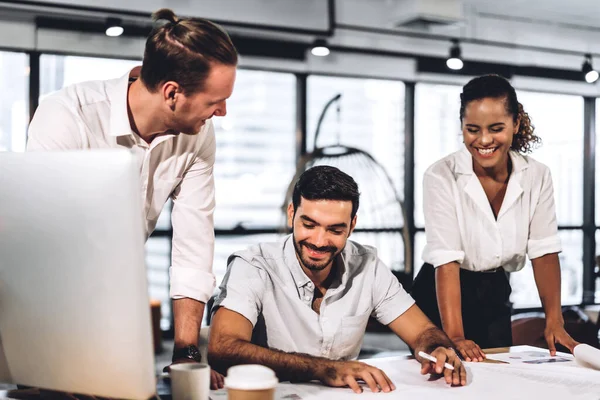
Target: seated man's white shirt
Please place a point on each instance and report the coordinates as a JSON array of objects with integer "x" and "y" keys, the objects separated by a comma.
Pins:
[
  {"x": 267, "y": 285},
  {"x": 93, "y": 115},
  {"x": 460, "y": 225}
]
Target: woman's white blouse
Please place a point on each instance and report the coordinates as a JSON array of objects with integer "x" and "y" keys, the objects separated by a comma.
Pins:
[{"x": 460, "y": 225}]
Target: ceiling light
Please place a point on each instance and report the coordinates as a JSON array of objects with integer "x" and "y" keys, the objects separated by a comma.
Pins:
[
  {"x": 320, "y": 48},
  {"x": 114, "y": 27},
  {"x": 454, "y": 60},
  {"x": 590, "y": 75}
]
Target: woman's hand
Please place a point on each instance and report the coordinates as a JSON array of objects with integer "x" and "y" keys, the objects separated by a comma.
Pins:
[{"x": 468, "y": 349}]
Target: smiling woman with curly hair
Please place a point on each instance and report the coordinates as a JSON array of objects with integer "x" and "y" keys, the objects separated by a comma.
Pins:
[{"x": 487, "y": 207}]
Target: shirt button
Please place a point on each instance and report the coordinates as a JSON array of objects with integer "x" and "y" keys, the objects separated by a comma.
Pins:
[
  {"x": 497, "y": 256},
  {"x": 307, "y": 298},
  {"x": 310, "y": 285}
]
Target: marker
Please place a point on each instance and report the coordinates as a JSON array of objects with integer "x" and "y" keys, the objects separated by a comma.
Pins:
[{"x": 433, "y": 359}]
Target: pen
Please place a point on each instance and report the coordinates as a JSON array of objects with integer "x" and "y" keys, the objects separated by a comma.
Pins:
[{"x": 433, "y": 359}]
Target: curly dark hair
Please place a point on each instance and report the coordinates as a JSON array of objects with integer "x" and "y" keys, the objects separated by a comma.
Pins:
[
  {"x": 324, "y": 182},
  {"x": 497, "y": 87}
]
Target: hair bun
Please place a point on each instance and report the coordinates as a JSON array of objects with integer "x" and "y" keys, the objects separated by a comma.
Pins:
[{"x": 165, "y": 14}]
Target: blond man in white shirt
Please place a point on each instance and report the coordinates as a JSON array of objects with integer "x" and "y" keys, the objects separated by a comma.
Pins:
[
  {"x": 487, "y": 207},
  {"x": 162, "y": 112}
]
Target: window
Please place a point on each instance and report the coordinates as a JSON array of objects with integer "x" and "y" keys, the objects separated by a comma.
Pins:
[
  {"x": 437, "y": 134},
  {"x": 524, "y": 291},
  {"x": 256, "y": 159},
  {"x": 57, "y": 72},
  {"x": 14, "y": 110},
  {"x": 255, "y": 150},
  {"x": 369, "y": 117},
  {"x": 558, "y": 121}
]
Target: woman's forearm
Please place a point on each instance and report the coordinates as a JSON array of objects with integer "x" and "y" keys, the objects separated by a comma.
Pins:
[
  {"x": 447, "y": 285},
  {"x": 546, "y": 270}
]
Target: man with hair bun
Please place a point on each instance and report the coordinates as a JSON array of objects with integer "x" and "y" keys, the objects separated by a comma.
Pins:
[{"x": 161, "y": 112}]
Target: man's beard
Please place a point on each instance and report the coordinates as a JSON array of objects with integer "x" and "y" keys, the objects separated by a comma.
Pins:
[{"x": 310, "y": 264}]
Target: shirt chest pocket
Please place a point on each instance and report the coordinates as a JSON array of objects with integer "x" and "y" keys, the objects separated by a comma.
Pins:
[
  {"x": 163, "y": 187},
  {"x": 351, "y": 333}
]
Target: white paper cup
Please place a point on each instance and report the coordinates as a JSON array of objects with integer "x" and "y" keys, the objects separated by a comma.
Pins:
[
  {"x": 190, "y": 381},
  {"x": 250, "y": 382}
]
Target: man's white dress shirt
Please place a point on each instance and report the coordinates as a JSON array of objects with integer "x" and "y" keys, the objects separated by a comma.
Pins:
[
  {"x": 93, "y": 115},
  {"x": 267, "y": 285}
]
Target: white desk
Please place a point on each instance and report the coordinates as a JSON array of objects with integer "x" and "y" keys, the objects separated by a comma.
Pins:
[{"x": 488, "y": 380}]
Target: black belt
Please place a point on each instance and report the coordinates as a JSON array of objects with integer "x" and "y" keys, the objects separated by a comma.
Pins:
[{"x": 487, "y": 271}]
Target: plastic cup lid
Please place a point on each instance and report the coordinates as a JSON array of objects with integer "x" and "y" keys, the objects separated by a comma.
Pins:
[{"x": 250, "y": 377}]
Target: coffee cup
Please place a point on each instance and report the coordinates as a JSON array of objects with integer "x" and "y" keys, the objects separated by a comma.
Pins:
[
  {"x": 250, "y": 382},
  {"x": 190, "y": 381}
]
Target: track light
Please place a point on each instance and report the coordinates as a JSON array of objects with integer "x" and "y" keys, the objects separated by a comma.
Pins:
[
  {"x": 454, "y": 61},
  {"x": 320, "y": 48},
  {"x": 113, "y": 27},
  {"x": 589, "y": 73}
]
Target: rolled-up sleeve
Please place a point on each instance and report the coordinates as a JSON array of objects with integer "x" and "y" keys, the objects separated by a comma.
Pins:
[
  {"x": 543, "y": 228},
  {"x": 389, "y": 298},
  {"x": 441, "y": 224},
  {"x": 191, "y": 269},
  {"x": 242, "y": 289}
]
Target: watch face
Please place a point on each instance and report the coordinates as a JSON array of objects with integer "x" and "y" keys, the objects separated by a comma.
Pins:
[
  {"x": 194, "y": 353},
  {"x": 189, "y": 352}
]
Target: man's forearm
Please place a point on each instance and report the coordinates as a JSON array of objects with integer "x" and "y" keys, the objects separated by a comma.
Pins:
[
  {"x": 187, "y": 319},
  {"x": 432, "y": 338},
  {"x": 295, "y": 367}
]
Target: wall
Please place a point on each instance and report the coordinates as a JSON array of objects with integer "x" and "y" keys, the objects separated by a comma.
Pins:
[{"x": 484, "y": 20}]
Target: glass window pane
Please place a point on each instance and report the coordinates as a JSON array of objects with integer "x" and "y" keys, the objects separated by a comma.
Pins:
[
  {"x": 524, "y": 291},
  {"x": 389, "y": 245},
  {"x": 14, "y": 117},
  {"x": 437, "y": 132},
  {"x": 158, "y": 260},
  {"x": 255, "y": 150},
  {"x": 558, "y": 121},
  {"x": 57, "y": 71},
  {"x": 420, "y": 242},
  {"x": 370, "y": 117}
]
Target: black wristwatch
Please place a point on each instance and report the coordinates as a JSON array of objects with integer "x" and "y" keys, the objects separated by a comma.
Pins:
[{"x": 190, "y": 352}]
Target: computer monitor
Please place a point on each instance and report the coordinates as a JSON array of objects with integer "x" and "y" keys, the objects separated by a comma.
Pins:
[{"x": 74, "y": 308}]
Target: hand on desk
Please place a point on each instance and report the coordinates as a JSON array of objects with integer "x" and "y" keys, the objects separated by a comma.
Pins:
[
  {"x": 555, "y": 333},
  {"x": 445, "y": 355},
  {"x": 468, "y": 349},
  {"x": 347, "y": 373},
  {"x": 217, "y": 381}
]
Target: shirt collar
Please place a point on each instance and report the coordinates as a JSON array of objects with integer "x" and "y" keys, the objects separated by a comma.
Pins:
[
  {"x": 292, "y": 263},
  {"x": 464, "y": 162},
  {"x": 474, "y": 189},
  {"x": 298, "y": 274},
  {"x": 117, "y": 95}
]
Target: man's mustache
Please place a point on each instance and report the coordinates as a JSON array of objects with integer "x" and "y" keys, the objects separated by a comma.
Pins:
[{"x": 328, "y": 249}]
